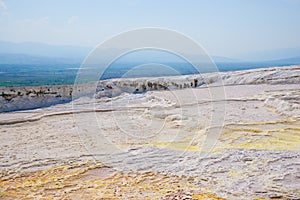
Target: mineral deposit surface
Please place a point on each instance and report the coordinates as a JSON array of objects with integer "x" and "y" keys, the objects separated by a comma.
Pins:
[{"x": 151, "y": 138}]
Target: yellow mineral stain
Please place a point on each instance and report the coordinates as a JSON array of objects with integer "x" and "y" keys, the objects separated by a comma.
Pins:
[
  {"x": 268, "y": 135},
  {"x": 206, "y": 197},
  {"x": 94, "y": 181},
  {"x": 236, "y": 173},
  {"x": 273, "y": 135},
  {"x": 286, "y": 121},
  {"x": 270, "y": 139}
]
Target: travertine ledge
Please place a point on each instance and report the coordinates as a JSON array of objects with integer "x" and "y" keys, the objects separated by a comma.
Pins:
[{"x": 20, "y": 98}]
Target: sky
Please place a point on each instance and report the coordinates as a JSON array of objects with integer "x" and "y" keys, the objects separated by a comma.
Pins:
[{"x": 223, "y": 27}]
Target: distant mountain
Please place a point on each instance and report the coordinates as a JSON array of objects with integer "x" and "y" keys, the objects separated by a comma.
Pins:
[
  {"x": 220, "y": 59},
  {"x": 287, "y": 61},
  {"x": 274, "y": 54},
  {"x": 161, "y": 56},
  {"x": 24, "y": 59},
  {"x": 35, "y": 50},
  {"x": 46, "y": 50},
  {"x": 41, "y": 53}
]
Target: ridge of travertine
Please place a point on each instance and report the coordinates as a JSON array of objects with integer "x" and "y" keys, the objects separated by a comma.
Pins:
[{"x": 31, "y": 97}]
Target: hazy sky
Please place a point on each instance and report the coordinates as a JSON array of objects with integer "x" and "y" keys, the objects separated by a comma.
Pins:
[{"x": 223, "y": 27}]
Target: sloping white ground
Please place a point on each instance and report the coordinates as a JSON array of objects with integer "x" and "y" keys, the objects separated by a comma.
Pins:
[{"x": 256, "y": 154}]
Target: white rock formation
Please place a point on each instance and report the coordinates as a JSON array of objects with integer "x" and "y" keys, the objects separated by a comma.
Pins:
[{"x": 19, "y": 98}]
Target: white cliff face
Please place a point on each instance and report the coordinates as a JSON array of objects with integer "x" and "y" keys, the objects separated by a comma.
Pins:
[
  {"x": 33, "y": 97},
  {"x": 18, "y": 98},
  {"x": 276, "y": 75}
]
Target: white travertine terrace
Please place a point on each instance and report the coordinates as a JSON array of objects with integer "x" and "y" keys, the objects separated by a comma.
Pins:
[{"x": 159, "y": 133}]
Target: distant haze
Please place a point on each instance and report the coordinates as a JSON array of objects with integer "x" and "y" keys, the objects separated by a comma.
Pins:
[
  {"x": 33, "y": 53},
  {"x": 236, "y": 29}
]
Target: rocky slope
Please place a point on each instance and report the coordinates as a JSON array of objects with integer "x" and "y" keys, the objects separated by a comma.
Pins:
[{"x": 19, "y": 98}]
